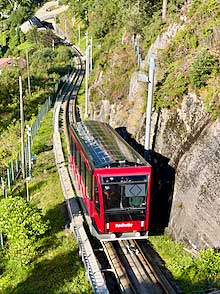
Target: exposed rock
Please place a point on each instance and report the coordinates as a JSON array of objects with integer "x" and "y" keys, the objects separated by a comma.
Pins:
[
  {"x": 116, "y": 114},
  {"x": 161, "y": 42},
  {"x": 102, "y": 112},
  {"x": 196, "y": 203},
  {"x": 173, "y": 131},
  {"x": 137, "y": 104},
  {"x": 192, "y": 143},
  {"x": 128, "y": 114}
]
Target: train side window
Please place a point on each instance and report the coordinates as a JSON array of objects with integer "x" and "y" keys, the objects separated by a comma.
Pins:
[
  {"x": 89, "y": 182},
  {"x": 83, "y": 171},
  {"x": 76, "y": 157},
  {"x": 78, "y": 161},
  {"x": 96, "y": 197},
  {"x": 74, "y": 150},
  {"x": 71, "y": 146}
]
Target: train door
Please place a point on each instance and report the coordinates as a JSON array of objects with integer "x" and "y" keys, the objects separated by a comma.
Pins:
[{"x": 98, "y": 204}]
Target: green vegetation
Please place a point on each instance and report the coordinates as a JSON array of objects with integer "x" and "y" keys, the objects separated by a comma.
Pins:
[
  {"x": 39, "y": 254},
  {"x": 114, "y": 85},
  {"x": 191, "y": 273},
  {"x": 172, "y": 87},
  {"x": 202, "y": 68},
  {"x": 46, "y": 67},
  {"x": 110, "y": 22},
  {"x": 193, "y": 56},
  {"x": 56, "y": 267},
  {"x": 13, "y": 15},
  {"x": 21, "y": 225},
  {"x": 191, "y": 61}
]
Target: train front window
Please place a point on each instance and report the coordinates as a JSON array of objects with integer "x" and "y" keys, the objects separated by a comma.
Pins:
[{"x": 121, "y": 192}]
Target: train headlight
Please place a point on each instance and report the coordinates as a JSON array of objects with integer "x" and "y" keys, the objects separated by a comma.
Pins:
[
  {"x": 137, "y": 234},
  {"x": 113, "y": 236}
]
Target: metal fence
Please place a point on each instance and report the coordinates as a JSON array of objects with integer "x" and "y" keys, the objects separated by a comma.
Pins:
[{"x": 13, "y": 171}]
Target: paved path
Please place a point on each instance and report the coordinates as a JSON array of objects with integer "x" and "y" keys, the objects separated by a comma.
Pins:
[
  {"x": 47, "y": 12},
  {"x": 50, "y": 10}
]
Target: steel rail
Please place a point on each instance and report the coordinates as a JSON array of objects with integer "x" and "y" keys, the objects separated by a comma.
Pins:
[
  {"x": 160, "y": 276},
  {"x": 118, "y": 268},
  {"x": 135, "y": 271},
  {"x": 136, "y": 268},
  {"x": 67, "y": 97}
]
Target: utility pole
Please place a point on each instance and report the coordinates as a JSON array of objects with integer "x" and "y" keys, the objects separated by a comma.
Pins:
[
  {"x": 149, "y": 104},
  {"x": 87, "y": 39},
  {"x": 87, "y": 82},
  {"x": 27, "y": 189},
  {"x": 65, "y": 28},
  {"x": 53, "y": 47},
  {"x": 28, "y": 73},
  {"x": 139, "y": 61},
  {"x": 3, "y": 186},
  {"x": 164, "y": 10},
  {"x": 4, "y": 192},
  {"x": 22, "y": 128},
  {"x": 78, "y": 34},
  {"x": 9, "y": 178},
  {"x": 28, "y": 178},
  {"x": 1, "y": 240},
  {"x": 91, "y": 53},
  {"x": 87, "y": 75}
]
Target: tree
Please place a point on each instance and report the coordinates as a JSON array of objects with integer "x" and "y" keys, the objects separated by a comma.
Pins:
[
  {"x": 22, "y": 226},
  {"x": 164, "y": 10}
]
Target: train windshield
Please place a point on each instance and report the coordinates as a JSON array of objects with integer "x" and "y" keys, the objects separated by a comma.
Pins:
[{"x": 124, "y": 192}]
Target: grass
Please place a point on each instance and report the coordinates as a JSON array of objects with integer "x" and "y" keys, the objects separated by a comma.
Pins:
[
  {"x": 58, "y": 267},
  {"x": 81, "y": 98},
  {"x": 191, "y": 273}
]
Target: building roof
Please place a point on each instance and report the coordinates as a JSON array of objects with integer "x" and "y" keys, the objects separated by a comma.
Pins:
[{"x": 5, "y": 62}]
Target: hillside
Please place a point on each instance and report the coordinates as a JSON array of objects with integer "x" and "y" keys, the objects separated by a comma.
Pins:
[{"x": 185, "y": 122}]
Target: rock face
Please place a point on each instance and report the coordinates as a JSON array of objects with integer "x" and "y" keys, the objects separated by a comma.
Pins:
[
  {"x": 196, "y": 202},
  {"x": 162, "y": 42},
  {"x": 173, "y": 131},
  {"x": 191, "y": 141},
  {"x": 128, "y": 113}
]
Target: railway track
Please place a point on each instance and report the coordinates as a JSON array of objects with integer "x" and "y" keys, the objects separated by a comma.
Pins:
[
  {"x": 135, "y": 269},
  {"x": 129, "y": 262},
  {"x": 66, "y": 99}
]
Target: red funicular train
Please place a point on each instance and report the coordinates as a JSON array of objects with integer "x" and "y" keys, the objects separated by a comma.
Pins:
[{"x": 113, "y": 182}]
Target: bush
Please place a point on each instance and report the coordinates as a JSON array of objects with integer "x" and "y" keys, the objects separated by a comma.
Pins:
[
  {"x": 172, "y": 87},
  {"x": 202, "y": 68},
  {"x": 209, "y": 264},
  {"x": 22, "y": 225}
]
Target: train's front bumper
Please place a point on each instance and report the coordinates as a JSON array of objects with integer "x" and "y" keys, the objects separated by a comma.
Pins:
[{"x": 119, "y": 236}]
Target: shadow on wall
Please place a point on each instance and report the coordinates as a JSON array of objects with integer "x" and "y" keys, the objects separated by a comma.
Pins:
[{"x": 162, "y": 185}]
